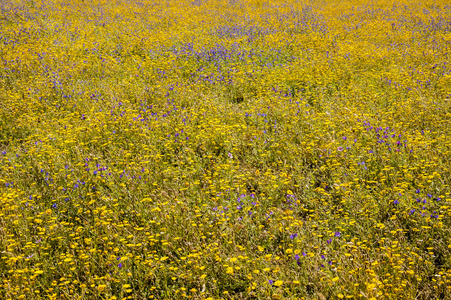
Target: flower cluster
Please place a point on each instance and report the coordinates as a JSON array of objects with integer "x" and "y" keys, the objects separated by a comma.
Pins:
[{"x": 225, "y": 149}]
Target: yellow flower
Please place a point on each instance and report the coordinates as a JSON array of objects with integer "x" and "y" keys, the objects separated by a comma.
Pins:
[
  {"x": 101, "y": 287},
  {"x": 278, "y": 283}
]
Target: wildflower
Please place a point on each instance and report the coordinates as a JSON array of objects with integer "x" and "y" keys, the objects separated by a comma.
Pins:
[{"x": 278, "y": 283}]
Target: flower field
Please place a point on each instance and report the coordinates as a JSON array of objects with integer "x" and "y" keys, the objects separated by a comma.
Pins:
[{"x": 225, "y": 149}]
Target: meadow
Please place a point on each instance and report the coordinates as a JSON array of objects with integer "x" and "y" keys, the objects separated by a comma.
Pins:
[{"x": 225, "y": 149}]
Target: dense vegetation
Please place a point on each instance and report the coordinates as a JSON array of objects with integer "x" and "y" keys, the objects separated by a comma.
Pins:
[{"x": 215, "y": 149}]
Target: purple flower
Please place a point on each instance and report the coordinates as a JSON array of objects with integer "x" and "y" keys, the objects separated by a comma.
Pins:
[
  {"x": 340, "y": 149},
  {"x": 337, "y": 234},
  {"x": 270, "y": 282},
  {"x": 396, "y": 202},
  {"x": 293, "y": 235},
  {"x": 329, "y": 241},
  {"x": 120, "y": 265},
  {"x": 296, "y": 257}
]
